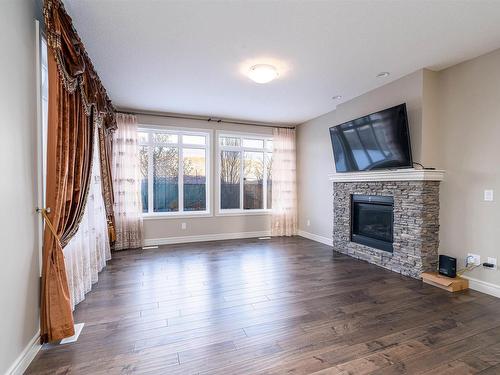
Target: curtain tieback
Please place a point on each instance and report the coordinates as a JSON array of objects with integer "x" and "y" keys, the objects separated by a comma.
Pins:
[{"x": 44, "y": 212}]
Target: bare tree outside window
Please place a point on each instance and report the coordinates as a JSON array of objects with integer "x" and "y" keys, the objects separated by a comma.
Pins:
[
  {"x": 253, "y": 180},
  {"x": 165, "y": 155},
  {"x": 269, "y": 169},
  {"x": 230, "y": 168},
  {"x": 143, "y": 166},
  {"x": 165, "y": 179},
  {"x": 245, "y": 167},
  {"x": 194, "y": 179}
]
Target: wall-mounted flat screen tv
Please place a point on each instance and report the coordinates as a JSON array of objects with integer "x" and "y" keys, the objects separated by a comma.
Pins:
[{"x": 380, "y": 140}]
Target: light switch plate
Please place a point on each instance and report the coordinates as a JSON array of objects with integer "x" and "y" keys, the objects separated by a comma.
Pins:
[
  {"x": 183, "y": 226},
  {"x": 488, "y": 195}
]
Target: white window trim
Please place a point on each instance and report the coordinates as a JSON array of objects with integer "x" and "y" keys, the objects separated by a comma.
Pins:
[
  {"x": 219, "y": 148},
  {"x": 41, "y": 135},
  {"x": 208, "y": 133}
]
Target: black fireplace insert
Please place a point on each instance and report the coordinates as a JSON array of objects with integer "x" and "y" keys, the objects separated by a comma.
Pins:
[{"x": 372, "y": 221}]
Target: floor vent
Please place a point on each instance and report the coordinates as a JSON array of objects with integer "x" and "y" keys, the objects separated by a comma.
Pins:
[
  {"x": 78, "y": 330},
  {"x": 149, "y": 247},
  {"x": 264, "y": 238}
]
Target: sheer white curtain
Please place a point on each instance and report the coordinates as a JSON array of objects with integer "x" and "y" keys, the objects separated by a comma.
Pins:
[
  {"x": 284, "y": 211},
  {"x": 87, "y": 252},
  {"x": 125, "y": 173}
]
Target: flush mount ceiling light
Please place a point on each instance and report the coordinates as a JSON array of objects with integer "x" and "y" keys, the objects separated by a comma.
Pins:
[
  {"x": 337, "y": 97},
  {"x": 262, "y": 73},
  {"x": 383, "y": 74}
]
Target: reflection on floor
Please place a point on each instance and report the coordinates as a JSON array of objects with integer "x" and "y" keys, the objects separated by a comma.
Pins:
[{"x": 272, "y": 306}]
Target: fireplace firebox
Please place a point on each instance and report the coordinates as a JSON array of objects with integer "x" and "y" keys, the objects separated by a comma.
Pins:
[{"x": 372, "y": 221}]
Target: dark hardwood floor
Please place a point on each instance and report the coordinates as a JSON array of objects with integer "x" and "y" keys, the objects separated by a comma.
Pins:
[{"x": 280, "y": 306}]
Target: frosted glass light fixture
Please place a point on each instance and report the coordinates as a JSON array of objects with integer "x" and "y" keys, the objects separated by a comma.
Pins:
[{"x": 262, "y": 73}]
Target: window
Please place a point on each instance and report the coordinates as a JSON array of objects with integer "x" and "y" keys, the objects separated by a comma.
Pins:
[
  {"x": 42, "y": 80},
  {"x": 45, "y": 110},
  {"x": 174, "y": 168},
  {"x": 245, "y": 180}
]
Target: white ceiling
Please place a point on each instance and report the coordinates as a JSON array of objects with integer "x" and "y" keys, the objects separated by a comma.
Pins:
[{"x": 188, "y": 56}]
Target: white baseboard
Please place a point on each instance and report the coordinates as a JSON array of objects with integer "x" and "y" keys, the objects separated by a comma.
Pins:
[
  {"x": 483, "y": 286},
  {"x": 315, "y": 237},
  {"x": 28, "y": 354},
  {"x": 203, "y": 238}
]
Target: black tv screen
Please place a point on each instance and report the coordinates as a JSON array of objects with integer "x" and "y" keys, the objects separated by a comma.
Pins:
[{"x": 380, "y": 140}]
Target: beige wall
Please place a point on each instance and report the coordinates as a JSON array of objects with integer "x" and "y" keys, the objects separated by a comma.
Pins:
[
  {"x": 404, "y": 90},
  {"x": 454, "y": 120},
  {"x": 314, "y": 150},
  {"x": 20, "y": 271},
  {"x": 158, "y": 229},
  {"x": 430, "y": 149},
  {"x": 469, "y": 123},
  {"x": 314, "y": 165}
]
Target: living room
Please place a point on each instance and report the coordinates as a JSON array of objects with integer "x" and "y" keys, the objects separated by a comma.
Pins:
[{"x": 240, "y": 187}]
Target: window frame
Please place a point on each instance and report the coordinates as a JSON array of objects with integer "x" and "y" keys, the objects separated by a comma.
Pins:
[
  {"x": 179, "y": 131},
  {"x": 41, "y": 51},
  {"x": 234, "y": 134}
]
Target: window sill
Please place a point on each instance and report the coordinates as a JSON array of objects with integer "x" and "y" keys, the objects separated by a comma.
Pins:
[
  {"x": 181, "y": 215},
  {"x": 244, "y": 213}
]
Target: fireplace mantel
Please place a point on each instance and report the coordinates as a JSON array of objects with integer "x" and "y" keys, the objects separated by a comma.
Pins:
[{"x": 389, "y": 175}]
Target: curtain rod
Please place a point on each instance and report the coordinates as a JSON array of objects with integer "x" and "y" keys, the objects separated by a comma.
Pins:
[{"x": 199, "y": 118}]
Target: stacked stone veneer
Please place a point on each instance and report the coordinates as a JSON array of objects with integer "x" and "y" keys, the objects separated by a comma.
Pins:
[{"x": 416, "y": 224}]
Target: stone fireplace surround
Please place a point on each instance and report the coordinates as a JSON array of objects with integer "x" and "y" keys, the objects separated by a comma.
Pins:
[{"x": 416, "y": 217}]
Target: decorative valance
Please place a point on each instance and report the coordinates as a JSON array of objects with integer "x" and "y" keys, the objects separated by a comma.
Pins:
[
  {"x": 76, "y": 72},
  {"x": 75, "y": 67}
]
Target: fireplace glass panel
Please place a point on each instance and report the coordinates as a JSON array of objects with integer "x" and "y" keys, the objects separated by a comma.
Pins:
[{"x": 372, "y": 221}]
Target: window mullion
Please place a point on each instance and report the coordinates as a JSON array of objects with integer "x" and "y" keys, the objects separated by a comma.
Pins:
[
  {"x": 264, "y": 180},
  {"x": 150, "y": 177},
  {"x": 180, "y": 185},
  {"x": 242, "y": 179},
  {"x": 218, "y": 172},
  {"x": 208, "y": 179}
]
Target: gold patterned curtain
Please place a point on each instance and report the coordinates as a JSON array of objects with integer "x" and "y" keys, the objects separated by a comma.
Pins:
[
  {"x": 105, "y": 153},
  {"x": 77, "y": 103}
]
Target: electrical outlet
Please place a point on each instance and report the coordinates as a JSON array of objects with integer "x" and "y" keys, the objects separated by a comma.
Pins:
[
  {"x": 493, "y": 261},
  {"x": 474, "y": 259},
  {"x": 183, "y": 226},
  {"x": 488, "y": 195},
  {"x": 308, "y": 222}
]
